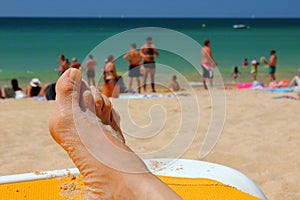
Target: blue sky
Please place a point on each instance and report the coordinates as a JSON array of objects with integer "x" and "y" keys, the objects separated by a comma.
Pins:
[{"x": 150, "y": 8}]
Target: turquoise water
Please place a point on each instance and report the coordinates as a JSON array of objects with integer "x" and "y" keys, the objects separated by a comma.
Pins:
[{"x": 30, "y": 47}]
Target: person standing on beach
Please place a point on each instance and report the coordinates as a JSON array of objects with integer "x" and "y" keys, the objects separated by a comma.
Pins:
[
  {"x": 235, "y": 73},
  {"x": 75, "y": 64},
  {"x": 207, "y": 64},
  {"x": 149, "y": 52},
  {"x": 134, "y": 58},
  {"x": 63, "y": 65},
  {"x": 90, "y": 65},
  {"x": 272, "y": 65}
]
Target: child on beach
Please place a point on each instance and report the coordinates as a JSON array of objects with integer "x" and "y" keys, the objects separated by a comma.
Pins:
[
  {"x": 245, "y": 63},
  {"x": 235, "y": 73},
  {"x": 254, "y": 69},
  {"x": 174, "y": 85}
]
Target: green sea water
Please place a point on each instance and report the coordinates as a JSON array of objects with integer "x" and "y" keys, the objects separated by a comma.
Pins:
[{"x": 30, "y": 47}]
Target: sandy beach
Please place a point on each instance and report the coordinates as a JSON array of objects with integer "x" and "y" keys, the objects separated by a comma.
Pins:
[{"x": 260, "y": 136}]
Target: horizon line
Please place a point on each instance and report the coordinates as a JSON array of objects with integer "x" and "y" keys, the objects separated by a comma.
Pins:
[{"x": 142, "y": 17}]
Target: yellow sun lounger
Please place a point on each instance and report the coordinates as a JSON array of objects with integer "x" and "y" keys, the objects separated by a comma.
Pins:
[{"x": 191, "y": 179}]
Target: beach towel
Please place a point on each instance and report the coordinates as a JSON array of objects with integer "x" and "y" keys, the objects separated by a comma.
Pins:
[
  {"x": 287, "y": 97},
  {"x": 140, "y": 96},
  {"x": 244, "y": 85},
  {"x": 281, "y": 90}
]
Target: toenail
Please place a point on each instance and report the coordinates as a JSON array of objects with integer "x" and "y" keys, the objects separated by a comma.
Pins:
[{"x": 73, "y": 74}]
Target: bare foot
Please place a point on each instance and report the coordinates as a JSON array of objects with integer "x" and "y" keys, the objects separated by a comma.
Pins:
[{"x": 110, "y": 169}]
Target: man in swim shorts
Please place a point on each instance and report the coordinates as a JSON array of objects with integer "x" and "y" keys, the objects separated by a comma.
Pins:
[
  {"x": 134, "y": 58},
  {"x": 207, "y": 64},
  {"x": 272, "y": 65},
  {"x": 149, "y": 52},
  {"x": 90, "y": 65}
]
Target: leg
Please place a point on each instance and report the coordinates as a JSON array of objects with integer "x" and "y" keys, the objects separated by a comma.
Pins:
[
  {"x": 152, "y": 76},
  {"x": 89, "y": 81},
  {"x": 138, "y": 84},
  {"x": 145, "y": 75},
  {"x": 271, "y": 77},
  {"x": 75, "y": 102},
  {"x": 130, "y": 84},
  {"x": 295, "y": 81},
  {"x": 204, "y": 83},
  {"x": 42, "y": 92},
  {"x": 93, "y": 82},
  {"x": 2, "y": 93},
  {"x": 205, "y": 74},
  {"x": 211, "y": 82}
]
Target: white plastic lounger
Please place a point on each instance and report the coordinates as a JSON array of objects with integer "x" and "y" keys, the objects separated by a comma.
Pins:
[{"x": 191, "y": 179}]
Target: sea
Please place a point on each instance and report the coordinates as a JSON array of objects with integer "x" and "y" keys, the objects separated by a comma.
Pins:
[{"x": 30, "y": 47}]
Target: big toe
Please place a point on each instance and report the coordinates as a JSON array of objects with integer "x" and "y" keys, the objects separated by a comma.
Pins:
[
  {"x": 67, "y": 90},
  {"x": 68, "y": 86}
]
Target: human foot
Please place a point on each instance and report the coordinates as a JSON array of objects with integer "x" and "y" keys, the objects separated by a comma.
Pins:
[{"x": 105, "y": 162}]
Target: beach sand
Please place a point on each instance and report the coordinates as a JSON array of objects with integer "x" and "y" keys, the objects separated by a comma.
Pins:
[{"x": 260, "y": 136}]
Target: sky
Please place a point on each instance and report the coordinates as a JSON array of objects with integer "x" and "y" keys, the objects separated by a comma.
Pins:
[{"x": 151, "y": 8}]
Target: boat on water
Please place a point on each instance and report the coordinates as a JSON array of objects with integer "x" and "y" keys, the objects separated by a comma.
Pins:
[{"x": 240, "y": 26}]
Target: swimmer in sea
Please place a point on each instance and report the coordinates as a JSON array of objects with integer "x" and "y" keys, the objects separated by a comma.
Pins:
[{"x": 102, "y": 180}]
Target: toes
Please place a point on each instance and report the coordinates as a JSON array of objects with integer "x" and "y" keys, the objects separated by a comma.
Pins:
[
  {"x": 103, "y": 108},
  {"x": 88, "y": 100},
  {"x": 107, "y": 114},
  {"x": 93, "y": 90}
]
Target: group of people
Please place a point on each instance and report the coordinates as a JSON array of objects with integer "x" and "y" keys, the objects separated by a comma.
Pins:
[
  {"x": 254, "y": 67},
  {"x": 15, "y": 91},
  {"x": 33, "y": 90},
  {"x": 141, "y": 64}
]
